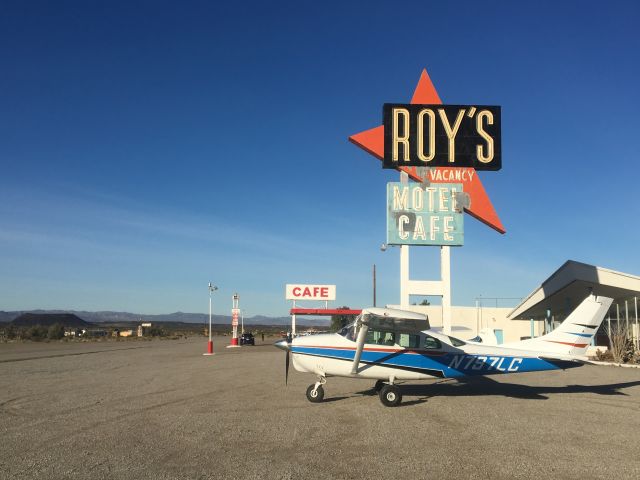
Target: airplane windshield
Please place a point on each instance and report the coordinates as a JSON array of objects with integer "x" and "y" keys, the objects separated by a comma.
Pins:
[{"x": 348, "y": 332}]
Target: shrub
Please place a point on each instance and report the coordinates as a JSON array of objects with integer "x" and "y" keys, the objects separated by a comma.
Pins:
[
  {"x": 156, "y": 332},
  {"x": 622, "y": 348},
  {"x": 36, "y": 333},
  {"x": 11, "y": 332},
  {"x": 55, "y": 332}
]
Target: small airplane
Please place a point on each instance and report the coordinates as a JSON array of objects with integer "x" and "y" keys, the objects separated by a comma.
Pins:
[{"x": 390, "y": 345}]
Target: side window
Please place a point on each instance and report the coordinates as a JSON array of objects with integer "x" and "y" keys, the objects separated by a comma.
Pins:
[
  {"x": 377, "y": 337},
  {"x": 409, "y": 341},
  {"x": 456, "y": 342},
  {"x": 431, "y": 343}
]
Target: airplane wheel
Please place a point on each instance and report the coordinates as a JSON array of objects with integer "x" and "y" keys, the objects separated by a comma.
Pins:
[
  {"x": 390, "y": 396},
  {"x": 317, "y": 396},
  {"x": 378, "y": 386}
]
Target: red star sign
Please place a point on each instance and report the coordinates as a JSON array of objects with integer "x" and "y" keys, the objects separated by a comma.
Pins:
[{"x": 480, "y": 208}]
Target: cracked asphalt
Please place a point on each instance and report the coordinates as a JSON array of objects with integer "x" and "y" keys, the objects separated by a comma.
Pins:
[{"x": 162, "y": 410}]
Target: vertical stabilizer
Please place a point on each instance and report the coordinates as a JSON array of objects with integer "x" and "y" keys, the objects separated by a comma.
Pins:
[{"x": 575, "y": 334}]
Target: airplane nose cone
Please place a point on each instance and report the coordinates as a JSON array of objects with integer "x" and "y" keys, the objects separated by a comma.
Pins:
[{"x": 282, "y": 345}]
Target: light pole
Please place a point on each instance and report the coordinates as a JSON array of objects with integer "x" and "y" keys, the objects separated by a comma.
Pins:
[{"x": 212, "y": 288}]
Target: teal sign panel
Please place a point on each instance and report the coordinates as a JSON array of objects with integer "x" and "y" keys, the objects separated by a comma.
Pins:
[{"x": 420, "y": 214}]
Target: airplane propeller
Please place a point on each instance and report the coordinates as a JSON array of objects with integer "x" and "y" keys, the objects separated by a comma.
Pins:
[
  {"x": 286, "y": 368},
  {"x": 286, "y": 346}
]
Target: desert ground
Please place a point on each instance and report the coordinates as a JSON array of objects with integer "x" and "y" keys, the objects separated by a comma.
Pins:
[{"x": 160, "y": 409}]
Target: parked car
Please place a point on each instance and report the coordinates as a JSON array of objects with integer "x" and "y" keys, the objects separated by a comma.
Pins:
[{"x": 247, "y": 339}]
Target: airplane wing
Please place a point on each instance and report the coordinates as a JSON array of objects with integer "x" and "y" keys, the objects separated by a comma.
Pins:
[{"x": 454, "y": 328}]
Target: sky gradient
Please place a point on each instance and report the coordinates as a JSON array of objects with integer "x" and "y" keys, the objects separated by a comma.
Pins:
[{"x": 147, "y": 148}]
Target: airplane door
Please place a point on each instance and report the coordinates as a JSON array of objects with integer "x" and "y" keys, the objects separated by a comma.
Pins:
[{"x": 499, "y": 336}]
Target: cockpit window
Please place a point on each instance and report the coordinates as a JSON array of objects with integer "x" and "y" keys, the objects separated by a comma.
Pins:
[
  {"x": 348, "y": 332},
  {"x": 456, "y": 342}
]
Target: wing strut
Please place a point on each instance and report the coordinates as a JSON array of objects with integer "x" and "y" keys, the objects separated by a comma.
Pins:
[{"x": 362, "y": 335}]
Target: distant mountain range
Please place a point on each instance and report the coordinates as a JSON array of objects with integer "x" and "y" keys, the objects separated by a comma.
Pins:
[{"x": 99, "y": 317}]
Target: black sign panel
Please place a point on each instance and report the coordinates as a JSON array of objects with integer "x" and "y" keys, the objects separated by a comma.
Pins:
[{"x": 442, "y": 136}]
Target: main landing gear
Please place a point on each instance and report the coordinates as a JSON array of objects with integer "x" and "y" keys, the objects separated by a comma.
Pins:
[{"x": 390, "y": 394}]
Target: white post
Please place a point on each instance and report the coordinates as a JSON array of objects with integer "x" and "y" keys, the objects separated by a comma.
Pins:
[
  {"x": 404, "y": 276},
  {"x": 293, "y": 321},
  {"x": 445, "y": 277},
  {"x": 635, "y": 300},
  {"x": 404, "y": 262},
  {"x": 212, "y": 289},
  {"x": 531, "y": 326},
  {"x": 626, "y": 318}
]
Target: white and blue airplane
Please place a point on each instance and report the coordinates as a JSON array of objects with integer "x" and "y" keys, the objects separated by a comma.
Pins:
[{"x": 391, "y": 345}]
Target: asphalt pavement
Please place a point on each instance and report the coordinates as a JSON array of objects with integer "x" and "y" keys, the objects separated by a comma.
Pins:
[{"x": 160, "y": 409}]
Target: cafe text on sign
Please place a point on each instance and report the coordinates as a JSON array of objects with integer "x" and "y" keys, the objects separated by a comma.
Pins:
[
  {"x": 310, "y": 292},
  {"x": 424, "y": 215},
  {"x": 442, "y": 136}
]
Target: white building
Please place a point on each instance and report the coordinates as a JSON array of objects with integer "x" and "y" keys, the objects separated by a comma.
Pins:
[{"x": 548, "y": 305}]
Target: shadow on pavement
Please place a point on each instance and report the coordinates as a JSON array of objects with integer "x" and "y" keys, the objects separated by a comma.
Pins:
[{"x": 487, "y": 386}]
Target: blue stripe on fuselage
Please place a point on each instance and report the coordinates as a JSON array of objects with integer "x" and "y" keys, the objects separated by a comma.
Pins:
[{"x": 451, "y": 364}]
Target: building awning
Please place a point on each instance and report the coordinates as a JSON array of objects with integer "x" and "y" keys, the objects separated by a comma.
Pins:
[
  {"x": 323, "y": 311},
  {"x": 570, "y": 284}
]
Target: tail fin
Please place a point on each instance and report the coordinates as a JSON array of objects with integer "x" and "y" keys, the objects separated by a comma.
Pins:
[{"x": 574, "y": 335}]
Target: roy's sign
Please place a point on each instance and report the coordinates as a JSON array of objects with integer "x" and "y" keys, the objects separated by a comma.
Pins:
[
  {"x": 418, "y": 214},
  {"x": 310, "y": 292},
  {"x": 442, "y": 136}
]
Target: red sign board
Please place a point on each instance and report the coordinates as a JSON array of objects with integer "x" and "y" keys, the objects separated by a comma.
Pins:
[{"x": 481, "y": 208}]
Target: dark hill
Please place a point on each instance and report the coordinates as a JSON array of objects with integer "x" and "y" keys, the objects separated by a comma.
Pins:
[{"x": 47, "y": 319}]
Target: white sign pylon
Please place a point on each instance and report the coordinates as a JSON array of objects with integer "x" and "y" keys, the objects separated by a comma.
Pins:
[{"x": 437, "y": 288}]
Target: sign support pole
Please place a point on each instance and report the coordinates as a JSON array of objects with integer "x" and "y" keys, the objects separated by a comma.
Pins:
[
  {"x": 212, "y": 289},
  {"x": 445, "y": 278},
  {"x": 293, "y": 321},
  {"x": 404, "y": 262}
]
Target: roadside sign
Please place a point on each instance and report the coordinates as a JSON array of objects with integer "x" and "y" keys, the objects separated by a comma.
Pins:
[
  {"x": 310, "y": 292},
  {"x": 418, "y": 214}
]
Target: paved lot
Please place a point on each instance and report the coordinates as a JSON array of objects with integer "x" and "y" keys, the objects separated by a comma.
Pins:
[{"x": 162, "y": 410}]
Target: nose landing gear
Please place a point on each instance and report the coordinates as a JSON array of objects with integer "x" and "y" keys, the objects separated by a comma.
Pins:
[{"x": 315, "y": 392}]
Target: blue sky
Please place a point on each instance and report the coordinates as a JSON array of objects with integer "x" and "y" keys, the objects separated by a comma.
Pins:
[{"x": 147, "y": 148}]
